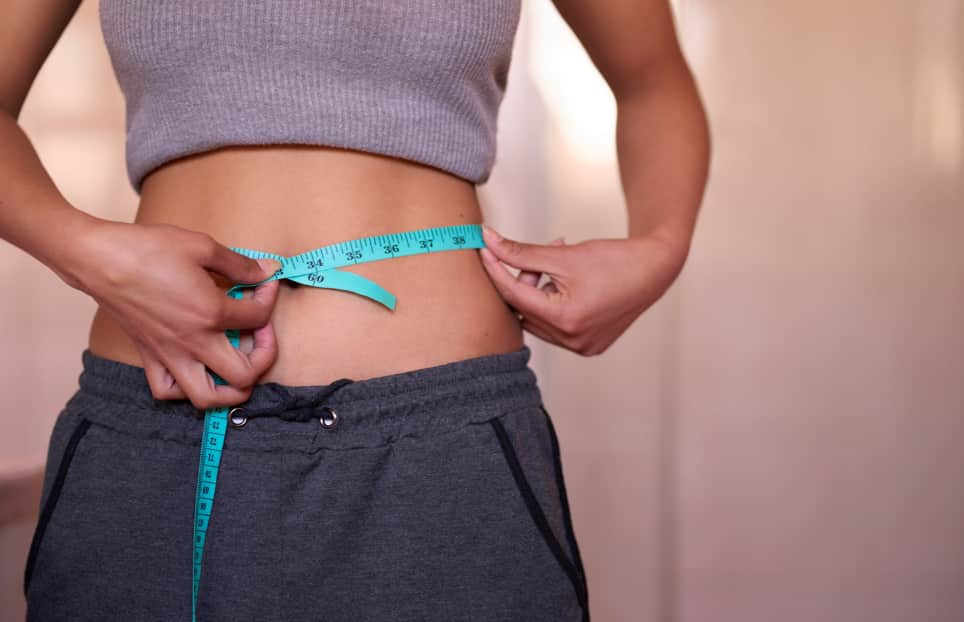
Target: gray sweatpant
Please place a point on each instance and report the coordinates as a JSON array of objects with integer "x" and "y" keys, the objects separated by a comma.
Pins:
[{"x": 430, "y": 495}]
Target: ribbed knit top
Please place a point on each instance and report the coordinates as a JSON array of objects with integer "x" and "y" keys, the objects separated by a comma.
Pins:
[{"x": 416, "y": 79}]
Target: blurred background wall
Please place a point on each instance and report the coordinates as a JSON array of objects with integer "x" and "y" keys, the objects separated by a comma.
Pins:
[{"x": 779, "y": 437}]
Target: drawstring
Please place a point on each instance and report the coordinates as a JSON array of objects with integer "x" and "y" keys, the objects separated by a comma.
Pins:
[{"x": 307, "y": 413}]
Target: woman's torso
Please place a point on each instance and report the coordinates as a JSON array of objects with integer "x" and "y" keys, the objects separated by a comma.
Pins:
[{"x": 290, "y": 199}]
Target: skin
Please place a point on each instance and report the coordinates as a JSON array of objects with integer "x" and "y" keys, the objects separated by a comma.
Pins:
[{"x": 159, "y": 281}]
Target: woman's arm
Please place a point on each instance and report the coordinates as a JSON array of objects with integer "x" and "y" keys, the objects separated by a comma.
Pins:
[
  {"x": 28, "y": 32},
  {"x": 597, "y": 288},
  {"x": 152, "y": 278},
  {"x": 662, "y": 135},
  {"x": 34, "y": 216}
]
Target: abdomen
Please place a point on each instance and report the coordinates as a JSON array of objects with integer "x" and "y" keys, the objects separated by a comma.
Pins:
[{"x": 288, "y": 200}]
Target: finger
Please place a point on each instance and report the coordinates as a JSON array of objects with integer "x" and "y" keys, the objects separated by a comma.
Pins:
[
  {"x": 265, "y": 350},
  {"x": 237, "y": 368},
  {"x": 521, "y": 297},
  {"x": 245, "y": 341},
  {"x": 543, "y": 326},
  {"x": 532, "y": 257},
  {"x": 528, "y": 277},
  {"x": 236, "y": 267},
  {"x": 535, "y": 329},
  {"x": 162, "y": 383},
  {"x": 201, "y": 389},
  {"x": 245, "y": 337},
  {"x": 252, "y": 311},
  {"x": 532, "y": 277}
]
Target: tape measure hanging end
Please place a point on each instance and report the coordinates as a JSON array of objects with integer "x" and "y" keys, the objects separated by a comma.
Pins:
[{"x": 212, "y": 444}]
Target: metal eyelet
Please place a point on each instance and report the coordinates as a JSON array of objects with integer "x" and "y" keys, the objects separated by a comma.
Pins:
[
  {"x": 330, "y": 419},
  {"x": 236, "y": 419}
]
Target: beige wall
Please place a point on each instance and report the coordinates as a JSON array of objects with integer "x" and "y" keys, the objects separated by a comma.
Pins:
[
  {"x": 820, "y": 345},
  {"x": 779, "y": 437}
]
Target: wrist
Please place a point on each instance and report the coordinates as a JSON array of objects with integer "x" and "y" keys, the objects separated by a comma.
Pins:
[
  {"x": 675, "y": 238},
  {"x": 73, "y": 250}
]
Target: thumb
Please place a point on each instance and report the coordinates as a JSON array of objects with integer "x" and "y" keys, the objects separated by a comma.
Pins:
[
  {"x": 522, "y": 255},
  {"x": 269, "y": 266},
  {"x": 258, "y": 270},
  {"x": 531, "y": 277},
  {"x": 238, "y": 268}
]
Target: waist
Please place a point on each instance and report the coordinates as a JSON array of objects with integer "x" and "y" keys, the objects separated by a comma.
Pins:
[
  {"x": 288, "y": 200},
  {"x": 371, "y": 412}
]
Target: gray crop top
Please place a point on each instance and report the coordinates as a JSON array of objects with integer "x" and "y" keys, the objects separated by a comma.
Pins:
[{"x": 416, "y": 79}]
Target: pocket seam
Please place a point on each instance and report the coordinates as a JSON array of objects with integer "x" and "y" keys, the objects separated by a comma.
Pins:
[
  {"x": 536, "y": 512},
  {"x": 56, "y": 488},
  {"x": 563, "y": 497}
]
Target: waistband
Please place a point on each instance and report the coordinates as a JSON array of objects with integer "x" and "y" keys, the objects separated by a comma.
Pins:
[{"x": 370, "y": 412}]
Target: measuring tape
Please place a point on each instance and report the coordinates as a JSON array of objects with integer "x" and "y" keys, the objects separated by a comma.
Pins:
[{"x": 317, "y": 268}]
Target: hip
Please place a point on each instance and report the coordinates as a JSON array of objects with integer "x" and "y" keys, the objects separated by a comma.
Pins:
[{"x": 434, "y": 494}]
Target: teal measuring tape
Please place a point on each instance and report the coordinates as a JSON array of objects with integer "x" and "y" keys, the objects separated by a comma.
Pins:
[{"x": 316, "y": 268}]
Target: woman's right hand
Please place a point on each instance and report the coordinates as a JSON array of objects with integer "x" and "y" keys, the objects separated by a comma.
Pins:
[{"x": 153, "y": 279}]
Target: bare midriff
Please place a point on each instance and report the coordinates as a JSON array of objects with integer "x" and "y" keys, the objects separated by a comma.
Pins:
[{"x": 288, "y": 199}]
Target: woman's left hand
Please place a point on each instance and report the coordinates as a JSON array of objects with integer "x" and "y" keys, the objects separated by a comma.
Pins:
[{"x": 596, "y": 288}]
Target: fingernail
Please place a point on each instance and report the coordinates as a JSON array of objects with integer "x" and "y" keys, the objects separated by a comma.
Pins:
[
  {"x": 269, "y": 265},
  {"x": 495, "y": 234}
]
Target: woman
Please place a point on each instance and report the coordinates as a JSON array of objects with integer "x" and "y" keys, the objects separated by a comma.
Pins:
[{"x": 381, "y": 465}]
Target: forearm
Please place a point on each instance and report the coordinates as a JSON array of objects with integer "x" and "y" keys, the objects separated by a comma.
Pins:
[
  {"x": 34, "y": 215},
  {"x": 663, "y": 148}
]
